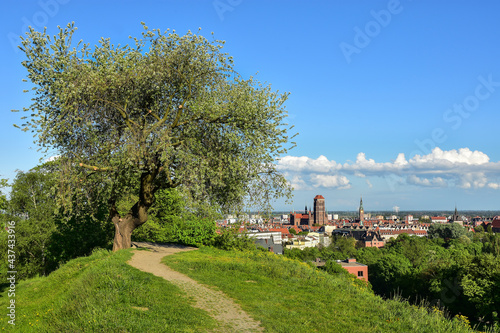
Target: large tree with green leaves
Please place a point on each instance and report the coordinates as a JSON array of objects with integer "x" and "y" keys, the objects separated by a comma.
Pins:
[{"x": 169, "y": 111}]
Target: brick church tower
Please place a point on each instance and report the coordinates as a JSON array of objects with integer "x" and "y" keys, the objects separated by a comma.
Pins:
[{"x": 320, "y": 217}]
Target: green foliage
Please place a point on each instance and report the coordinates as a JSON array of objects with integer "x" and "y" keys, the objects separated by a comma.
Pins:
[
  {"x": 31, "y": 207},
  {"x": 78, "y": 235},
  {"x": 389, "y": 273},
  {"x": 46, "y": 236},
  {"x": 172, "y": 221},
  {"x": 231, "y": 240},
  {"x": 368, "y": 255},
  {"x": 446, "y": 231},
  {"x": 341, "y": 248},
  {"x": 480, "y": 280},
  {"x": 307, "y": 254},
  {"x": 3, "y": 197},
  {"x": 332, "y": 267}
]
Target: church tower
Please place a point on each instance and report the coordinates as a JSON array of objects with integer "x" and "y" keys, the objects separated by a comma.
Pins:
[
  {"x": 455, "y": 217},
  {"x": 361, "y": 210},
  {"x": 320, "y": 217}
]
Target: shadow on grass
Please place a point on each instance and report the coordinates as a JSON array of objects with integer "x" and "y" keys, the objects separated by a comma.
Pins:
[{"x": 3, "y": 287}]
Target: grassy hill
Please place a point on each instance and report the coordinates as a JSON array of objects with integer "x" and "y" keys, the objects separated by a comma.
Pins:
[{"x": 102, "y": 293}]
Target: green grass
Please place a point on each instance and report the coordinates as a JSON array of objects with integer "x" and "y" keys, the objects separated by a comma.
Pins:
[
  {"x": 102, "y": 293},
  {"x": 289, "y": 296}
]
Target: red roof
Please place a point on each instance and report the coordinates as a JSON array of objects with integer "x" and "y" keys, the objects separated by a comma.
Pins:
[{"x": 319, "y": 197}]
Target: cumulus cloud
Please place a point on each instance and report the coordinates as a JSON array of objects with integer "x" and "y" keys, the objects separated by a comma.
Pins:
[
  {"x": 462, "y": 168},
  {"x": 427, "y": 182},
  {"x": 304, "y": 163},
  {"x": 297, "y": 182},
  {"x": 494, "y": 186},
  {"x": 451, "y": 157},
  {"x": 330, "y": 181},
  {"x": 473, "y": 180}
]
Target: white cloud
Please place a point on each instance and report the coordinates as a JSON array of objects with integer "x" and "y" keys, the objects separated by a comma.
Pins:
[
  {"x": 304, "y": 163},
  {"x": 297, "y": 183},
  {"x": 462, "y": 168},
  {"x": 427, "y": 182},
  {"x": 473, "y": 180},
  {"x": 330, "y": 181},
  {"x": 494, "y": 186},
  {"x": 451, "y": 157}
]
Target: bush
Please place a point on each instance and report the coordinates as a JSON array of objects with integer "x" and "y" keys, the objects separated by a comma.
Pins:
[
  {"x": 230, "y": 240},
  {"x": 172, "y": 222}
]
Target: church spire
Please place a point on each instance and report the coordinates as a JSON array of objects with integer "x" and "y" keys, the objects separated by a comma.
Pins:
[{"x": 361, "y": 211}]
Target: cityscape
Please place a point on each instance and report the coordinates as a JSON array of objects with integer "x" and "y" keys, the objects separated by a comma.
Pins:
[{"x": 314, "y": 226}]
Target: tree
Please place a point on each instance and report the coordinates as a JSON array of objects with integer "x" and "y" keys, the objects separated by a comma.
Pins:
[
  {"x": 31, "y": 207},
  {"x": 446, "y": 231},
  {"x": 390, "y": 274},
  {"x": 168, "y": 112},
  {"x": 3, "y": 197}
]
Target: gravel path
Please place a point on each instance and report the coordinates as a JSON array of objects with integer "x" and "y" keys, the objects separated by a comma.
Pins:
[{"x": 216, "y": 303}]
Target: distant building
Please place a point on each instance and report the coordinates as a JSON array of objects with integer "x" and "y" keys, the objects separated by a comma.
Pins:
[
  {"x": 359, "y": 270},
  {"x": 455, "y": 218},
  {"x": 495, "y": 224},
  {"x": 271, "y": 241},
  {"x": 373, "y": 239},
  {"x": 439, "y": 219}
]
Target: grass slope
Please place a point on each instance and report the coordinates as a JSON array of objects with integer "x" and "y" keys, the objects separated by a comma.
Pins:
[
  {"x": 289, "y": 296},
  {"x": 102, "y": 293}
]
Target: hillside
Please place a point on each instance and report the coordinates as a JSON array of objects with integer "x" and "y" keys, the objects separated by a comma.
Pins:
[{"x": 102, "y": 293}]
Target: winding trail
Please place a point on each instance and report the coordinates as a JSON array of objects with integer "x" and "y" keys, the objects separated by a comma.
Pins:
[{"x": 217, "y": 304}]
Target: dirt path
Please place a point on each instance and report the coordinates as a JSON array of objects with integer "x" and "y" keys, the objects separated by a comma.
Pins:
[{"x": 217, "y": 304}]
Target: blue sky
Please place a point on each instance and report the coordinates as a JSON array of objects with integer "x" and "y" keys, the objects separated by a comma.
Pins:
[{"x": 397, "y": 101}]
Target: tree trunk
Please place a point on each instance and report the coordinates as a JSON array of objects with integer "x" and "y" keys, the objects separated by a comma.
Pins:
[
  {"x": 138, "y": 214},
  {"x": 123, "y": 233}
]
